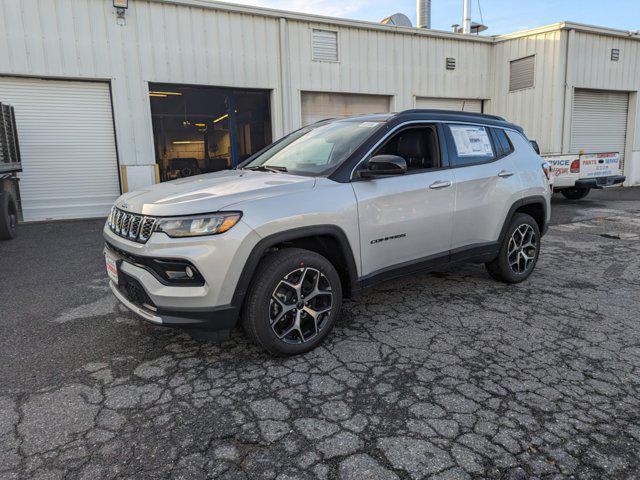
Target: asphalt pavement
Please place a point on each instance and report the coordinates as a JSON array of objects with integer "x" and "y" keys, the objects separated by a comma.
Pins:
[{"x": 440, "y": 375}]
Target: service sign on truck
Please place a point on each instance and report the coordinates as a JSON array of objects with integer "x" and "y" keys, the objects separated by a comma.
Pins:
[
  {"x": 567, "y": 169},
  {"x": 600, "y": 164}
]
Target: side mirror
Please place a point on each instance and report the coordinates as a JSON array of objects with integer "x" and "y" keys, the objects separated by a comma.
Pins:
[
  {"x": 384, "y": 166},
  {"x": 535, "y": 146}
]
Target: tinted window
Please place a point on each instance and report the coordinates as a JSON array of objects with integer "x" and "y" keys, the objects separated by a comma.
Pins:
[
  {"x": 418, "y": 146},
  {"x": 469, "y": 144},
  {"x": 502, "y": 142}
]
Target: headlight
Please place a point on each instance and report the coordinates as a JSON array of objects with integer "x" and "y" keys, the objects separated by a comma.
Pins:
[{"x": 199, "y": 225}]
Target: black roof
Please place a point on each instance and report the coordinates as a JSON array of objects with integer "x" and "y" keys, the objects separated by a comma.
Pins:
[
  {"x": 456, "y": 116},
  {"x": 433, "y": 114}
]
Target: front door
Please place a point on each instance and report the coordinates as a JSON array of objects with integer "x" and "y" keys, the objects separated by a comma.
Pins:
[{"x": 407, "y": 219}]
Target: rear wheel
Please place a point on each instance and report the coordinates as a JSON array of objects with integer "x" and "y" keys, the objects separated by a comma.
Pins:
[
  {"x": 519, "y": 251},
  {"x": 293, "y": 302},
  {"x": 8, "y": 216},
  {"x": 575, "y": 193}
]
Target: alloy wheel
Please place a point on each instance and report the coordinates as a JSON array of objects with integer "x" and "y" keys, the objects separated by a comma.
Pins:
[
  {"x": 300, "y": 305},
  {"x": 523, "y": 247}
]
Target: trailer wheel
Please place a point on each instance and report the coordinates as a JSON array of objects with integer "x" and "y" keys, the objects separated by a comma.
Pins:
[
  {"x": 8, "y": 216},
  {"x": 575, "y": 193}
]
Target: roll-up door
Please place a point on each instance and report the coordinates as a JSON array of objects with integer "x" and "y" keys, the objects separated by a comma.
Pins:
[
  {"x": 67, "y": 142},
  {"x": 468, "y": 105},
  {"x": 599, "y": 121},
  {"x": 319, "y": 106}
]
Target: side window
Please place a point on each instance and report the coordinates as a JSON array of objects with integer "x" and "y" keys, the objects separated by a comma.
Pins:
[
  {"x": 469, "y": 145},
  {"x": 503, "y": 145},
  {"x": 417, "y": 145}
]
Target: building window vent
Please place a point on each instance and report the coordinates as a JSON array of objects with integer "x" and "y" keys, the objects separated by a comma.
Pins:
[
  {"x": 521, "y": 73},
  {"x": 451, "y": 63},
  {"x": 615, "y": 54},
  {"x": 324, "y": 45}
]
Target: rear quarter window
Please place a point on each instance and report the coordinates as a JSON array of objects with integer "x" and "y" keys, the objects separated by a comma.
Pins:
[{"x": 502, "y": 142}]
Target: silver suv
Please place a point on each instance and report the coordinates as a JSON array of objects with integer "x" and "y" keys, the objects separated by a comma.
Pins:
[{"x": 323, "y": 214}]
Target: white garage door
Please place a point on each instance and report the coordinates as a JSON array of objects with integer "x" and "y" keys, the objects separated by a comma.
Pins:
[
  {"x": 468, "y": 105},
  {"x": 318, "y": 106},
  {"x": 65, "y": 129},
  {"x": 599, "y": 121}
]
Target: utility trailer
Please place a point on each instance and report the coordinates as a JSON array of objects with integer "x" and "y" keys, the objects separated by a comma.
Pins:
[{"x": 10, "y": 165}]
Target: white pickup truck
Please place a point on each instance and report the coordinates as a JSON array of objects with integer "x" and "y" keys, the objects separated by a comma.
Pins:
[{"x": 575, "y": 175}]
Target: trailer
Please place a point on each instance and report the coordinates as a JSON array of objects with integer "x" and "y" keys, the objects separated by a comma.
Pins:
[{"x": 10, "y": 166}]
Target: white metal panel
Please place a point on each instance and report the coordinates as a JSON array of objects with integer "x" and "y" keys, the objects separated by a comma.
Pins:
[
  {"x": 318, "y": 106},
  {"x": 599, "y": 121},
  {"x": 464, "y": 104},
  {"x": 324, "y": 45},
  {"x": 522, "y": 73},
  {"x": 539, "y": 110},
  {"x": 67, "y": 145}
]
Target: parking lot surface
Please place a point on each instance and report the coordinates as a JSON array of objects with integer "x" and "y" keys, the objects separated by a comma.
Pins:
[{"x": 440, "y": 375}]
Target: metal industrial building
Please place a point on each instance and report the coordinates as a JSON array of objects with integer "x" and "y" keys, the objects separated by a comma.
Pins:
[{"x": 109, "y": 100}]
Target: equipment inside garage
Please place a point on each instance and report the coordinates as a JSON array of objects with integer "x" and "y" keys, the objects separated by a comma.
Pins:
[
  {"x": 318, "y": 106},
  {"x": 67, "y": 144},
  {"x": 199, "y": 129}
]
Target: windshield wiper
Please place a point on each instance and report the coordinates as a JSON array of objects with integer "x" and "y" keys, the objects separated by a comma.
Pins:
[{"x": 267, "y": 168}]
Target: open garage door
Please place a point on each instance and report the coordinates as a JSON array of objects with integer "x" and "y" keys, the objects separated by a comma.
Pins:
[
  {"x": 599, "y": 121},
  {"x": 65, "y": 128},
  {"x": 318, "y": 106},
  {"x": 468, "y": 105}
]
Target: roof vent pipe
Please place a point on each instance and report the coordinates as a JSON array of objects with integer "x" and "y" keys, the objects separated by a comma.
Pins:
[
  {"x": 466, "y": 17},
  {"x": 424, "y": 13}
]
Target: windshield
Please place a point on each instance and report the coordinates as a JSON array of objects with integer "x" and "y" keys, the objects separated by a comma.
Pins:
[{"x": 316, "y": 149}]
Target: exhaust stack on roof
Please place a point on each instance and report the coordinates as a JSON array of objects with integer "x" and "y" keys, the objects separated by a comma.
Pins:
[{"x": 424, "y": 13}]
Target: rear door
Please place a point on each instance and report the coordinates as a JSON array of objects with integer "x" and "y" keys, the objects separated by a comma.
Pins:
[
  {"x": 486, "y": 183},
  {"x": 407, "y": 219}
]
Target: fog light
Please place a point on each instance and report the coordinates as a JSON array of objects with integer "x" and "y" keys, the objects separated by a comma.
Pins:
[{"x": 189, "y": 271}]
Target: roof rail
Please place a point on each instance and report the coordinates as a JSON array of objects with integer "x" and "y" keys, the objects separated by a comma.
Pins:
[{"x": 451, "y": 112}]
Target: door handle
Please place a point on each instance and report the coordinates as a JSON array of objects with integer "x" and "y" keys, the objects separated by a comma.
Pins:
[
  {"x": 505, "y": 174},
  {"x": 440, "y": 184}
]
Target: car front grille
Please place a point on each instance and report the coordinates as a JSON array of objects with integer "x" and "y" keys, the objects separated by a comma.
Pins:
[{"x": 131, "y": 226}]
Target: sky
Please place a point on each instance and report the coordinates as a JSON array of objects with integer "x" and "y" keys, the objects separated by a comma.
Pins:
[{"x": 502, "y": 16}]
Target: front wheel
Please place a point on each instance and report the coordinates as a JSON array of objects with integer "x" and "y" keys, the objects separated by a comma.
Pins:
[
  {"x": 519, "y": 251},
  {"x": 575, "y": 193},
  {"x": 293, "y": 302}
]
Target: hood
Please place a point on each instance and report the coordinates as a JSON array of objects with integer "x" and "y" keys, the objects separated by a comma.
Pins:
[{"x": 210, "y": 192}]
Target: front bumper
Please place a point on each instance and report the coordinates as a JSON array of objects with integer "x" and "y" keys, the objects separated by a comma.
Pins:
[
  {"x": 207, "y": 306},
  {"x": 600, "y": 182}
]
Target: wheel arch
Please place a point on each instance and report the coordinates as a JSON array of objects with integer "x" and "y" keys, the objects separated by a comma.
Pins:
[
  {"x": 329, "y": 241},
  {"x": 535, "y": 206}
]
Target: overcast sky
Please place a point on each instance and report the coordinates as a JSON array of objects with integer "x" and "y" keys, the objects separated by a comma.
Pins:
[{"x": 502, "y": 16}]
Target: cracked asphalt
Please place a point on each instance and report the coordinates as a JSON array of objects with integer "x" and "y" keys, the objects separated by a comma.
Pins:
[{"x": 440, "y": 375}]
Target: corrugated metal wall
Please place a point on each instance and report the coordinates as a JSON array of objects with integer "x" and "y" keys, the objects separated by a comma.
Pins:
[
  {"x": 591, "y": 67},
  {"x": 539, "y": 110},
  {"x": 188, "y": 42},
  {"x": 164, "y": 42}
]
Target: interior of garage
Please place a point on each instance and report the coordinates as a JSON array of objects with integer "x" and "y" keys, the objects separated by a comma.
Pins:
[{"x": 201, "y": 129}]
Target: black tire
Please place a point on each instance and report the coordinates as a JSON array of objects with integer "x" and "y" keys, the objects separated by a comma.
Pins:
[
  {"x": 501, "y": 267},
  {"x": 292, "y": 265},
  {"x": 8, "y": 216},
  {"x": 575, "y": 193}
]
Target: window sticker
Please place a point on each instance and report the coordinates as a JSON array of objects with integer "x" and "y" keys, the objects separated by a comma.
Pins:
[{"x": 471, "y": 141}]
